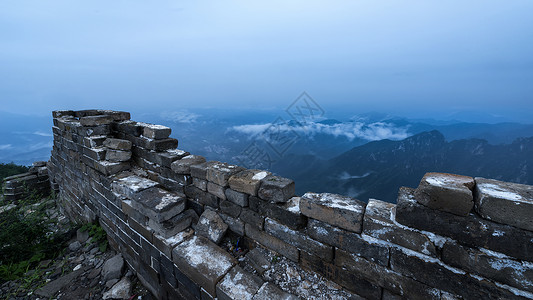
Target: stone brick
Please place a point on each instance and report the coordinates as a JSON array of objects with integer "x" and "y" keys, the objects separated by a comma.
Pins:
[
  {"x": 258, "y": 260},
  {"x": 252, "y": 218},
  {"x": 219, "y": 173},
  {"x": 183, "y": 166},
  {"x": 247, "y": 181},
  {"x": 166, "y": 158},
  {"x": 201, "y": 197},
  {"x": 94, "y": 131},
  {"x": 490, "y": 265},
  {"x": 276, "y": 189},
  {"x": 234, "y": 224},
  {"x": 447, "y": 192},
  {"x": 110, "y": 168},
  {"x": 158, "y": 204},
  {"x": 94, "y": 141},
  {"x": 96, "y": 120},
  {"x": 432, "y": 272},
  {"x": 216, "y": 190},
  {"x": 129, "y": 185},
  {"x": 174, "y": 225},
  {"x": 505, "y": 202},
  {"x": 95, "y": 153},
  {"x": 271, "y": 242},
  {"x": 203, "y": 262},
  {"x": 471, "y": 230},
  {"x": 384, "y": 277},
  {"x": 63, "y": 113},
  {"x": 286, "y": 213},
  {"x": 117, "y": 155},
  {"x": 364, "y": 246},
  {"x": 128, "y": 127},
  {"x": 346, "y": 278},
  {"x": 200, "y": 183},
  {"x": 379, "y": 223},
  {"x": 199, "y": 171},
  {"x": 159, "y": 145},
  {"x": 340, "y": 211},
  {"x": 230, "y": 208},
  {"x": 298, "y": 240},
  {"x": 166, "y": 245},
  {"x": 117, "y": 144},
  {"x": 269, "y": 291},
  {"x": 156, "y": 132},
  {"x": 238, "y": 198},
  {"x": 211, "y": 226},
  {"x": 238, "y": 284}
]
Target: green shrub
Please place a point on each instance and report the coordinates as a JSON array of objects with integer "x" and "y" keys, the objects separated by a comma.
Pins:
[{"x": 97, "y": 233}]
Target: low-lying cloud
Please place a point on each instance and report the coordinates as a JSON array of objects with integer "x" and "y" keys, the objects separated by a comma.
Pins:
[
  {"x": 180, "y": 116},
  {"x": 350, "y": 130}
]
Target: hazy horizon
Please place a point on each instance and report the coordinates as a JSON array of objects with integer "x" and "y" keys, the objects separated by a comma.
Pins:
[{"x": 445, "y": 60}]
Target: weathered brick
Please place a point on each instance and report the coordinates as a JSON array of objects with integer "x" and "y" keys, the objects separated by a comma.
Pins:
[
  {"x": 286, "y": 213},
  {"x": 271, "y": 242},
  {"x": 110, "y": 168},
  {"x": 183, "y": 166},
  {"x": 252, "y": 218},
  {"x": 157, "y": 132},
  {"x": 379, "y": 223},
  {"x": 258, "y": 259},
  {"x": 166, "y": 158},
  {"x": 203, "y": 262},
  {"x": 199, "y": 171},
  {"x": 211, "y": 226},
  {"x": 117, "y": 155},
  {"x": 384, "y": 277},
  {"x": 276, "y": 189},
  {"x": 216, "y": 190},
  {"x": 174, "y": 225},
  {"x": 230, "y": 208},
  {"x": 96, "y": 120},
  {"x": 158, "y": 204},
  {"x": 95, "y": 153},
  {"x": 159, "y": 145},
  {"x": 201, "y": 197},
  {"x": 238, "y": 198},
  {"x": 364, "y": 246},
  {"x": 505, "y": 202},
  {"x": 247, "y": 181},
  {"x": 219, "y": 173},
  {"x": 432, "y": 272},
  {"x": 269, "y": 291},
  {"x": 490, "y": 265},
  {"x": 132, "y": 184},
  {"x": 234, "y": 224},
  {"x": 471, "y": 230},
  {"x": 340, "y": 211},
  {"x": 166, "y": 245},
  {"x": 238, "y": 284},
  {"x": 117, "y": 144},
  {"x": 201, "y": 184},
  {"x": 447, "y": 192},
  {"x": 298, "y": 239}
]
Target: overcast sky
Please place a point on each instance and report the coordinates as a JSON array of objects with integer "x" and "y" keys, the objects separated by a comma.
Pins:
[{"x": 413, "y": 58}]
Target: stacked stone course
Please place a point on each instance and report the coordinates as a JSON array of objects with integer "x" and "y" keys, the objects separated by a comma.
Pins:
[
  {"x": 34, "y": 182},
  {"x": 166, "y": 211}
]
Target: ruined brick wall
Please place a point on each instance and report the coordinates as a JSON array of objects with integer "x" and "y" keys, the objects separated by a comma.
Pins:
[
  {"x": 34, "y": 182},
  {"x": 166, "y": 210}
]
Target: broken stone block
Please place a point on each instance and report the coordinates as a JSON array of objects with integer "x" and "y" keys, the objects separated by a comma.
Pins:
[
  {"x": 219, "y": 173},
  {"x": 211, "y": 226},
  {"x": 447, "y": 192},
  {"x": 238, "y": 284},
  {"x": 110, "y": 167},
  {"x": 203, "y": 262},
  {"x": 247, "y": 181},
  {"x": 156, "y": 132},
  {"x": 379, "y": 223},
  {"x": 117, "y": 155},
  {"x": 96, "y": 120},
  {"x": 230, "y": 208},
  {"x": 199, "y": 171},
  {"x": 158, "y": 204},
  {"x": 505, "y": 202},
  {"x": 166, "y": 245},
  {"x": 252, "y": 218},
  {"x": 132, "y": 184},
  {"x": 337, "y": 210},
  {"x": 113, "y": 268},
  {"x": 238, "y": 198},
  {"x": 94, "y": 141},
  {"x": 117, "y": 144},
  {"x": 166, "y": 158},
  {"x": 95, "y": 153},
  {"x": 298, "y": 240},
  {"x": 489, "y": 264},
  {"x": 174, "y": 225},
  {"x": 270, "y": 291},
  {"x": 276, "y": 189},
  {"x": 120, "y": 290},
  {"x": 367, "y": 247},
  {"x": 183, "y": 166},
  {"x": 159, "y": 145}
]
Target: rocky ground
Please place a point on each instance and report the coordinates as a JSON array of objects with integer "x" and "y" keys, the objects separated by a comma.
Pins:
[{"x": 82, "y": 271}]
